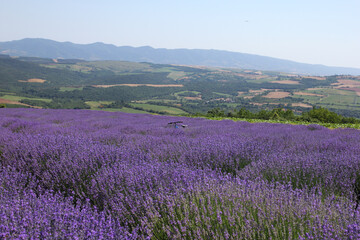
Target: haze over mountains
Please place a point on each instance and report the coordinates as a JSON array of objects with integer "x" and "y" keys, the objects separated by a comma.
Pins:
[{"x": 45, "y": 48}]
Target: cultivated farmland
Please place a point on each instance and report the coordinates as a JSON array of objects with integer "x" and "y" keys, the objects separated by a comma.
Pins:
[{"x": 70, "y": 174}]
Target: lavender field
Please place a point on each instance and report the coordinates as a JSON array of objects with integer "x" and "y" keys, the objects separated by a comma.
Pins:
[{"x": 76, "y": 174}]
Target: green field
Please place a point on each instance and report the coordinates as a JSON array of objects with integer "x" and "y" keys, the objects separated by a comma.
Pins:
[
  {"x": 176, "y": 75},
  {"x": 333, "y": 98},
  {"x": 328, "y": 125},
  {"x": 65, "y": 89},
  {"x": 96, "y": 104},
  {"x": 18, "y": 98},
  {"x": 117, "y": 66},
  {"x": 124, "y": 109},
  {"x": 169, "y": 110},
  {"x": 71, "y": 67}
]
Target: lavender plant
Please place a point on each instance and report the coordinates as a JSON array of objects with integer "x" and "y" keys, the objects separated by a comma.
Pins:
[{"x": 71, "y": 174}]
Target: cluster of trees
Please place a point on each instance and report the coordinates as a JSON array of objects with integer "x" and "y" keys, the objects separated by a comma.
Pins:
[
  {"x": 58, "y": 103},
  {"x": 320, "y": 115}
]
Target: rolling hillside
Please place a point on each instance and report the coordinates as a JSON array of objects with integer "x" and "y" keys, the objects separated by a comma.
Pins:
[{"x": 168, "y": 89}]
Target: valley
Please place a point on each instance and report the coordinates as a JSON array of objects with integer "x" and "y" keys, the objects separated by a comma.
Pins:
[{"x": 168, "y": 89}]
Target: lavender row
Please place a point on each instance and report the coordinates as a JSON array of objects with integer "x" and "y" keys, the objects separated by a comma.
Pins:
[{"x": 212, "y": 178}]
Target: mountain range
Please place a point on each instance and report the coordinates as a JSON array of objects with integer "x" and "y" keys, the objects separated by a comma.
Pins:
[{"x": 44, "y": 48}]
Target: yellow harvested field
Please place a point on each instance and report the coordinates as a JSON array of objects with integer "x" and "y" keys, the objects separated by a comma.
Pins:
[
  {"x": 192, "y": 98},
  {"x": 33, "y": 80},
  {"x": 287, "y": 82},
  {"x": 301, "y": 105},
  {"x": 317, "y": 78},
  {"x": 137, "y": 85},
  {"x": 277, "y": 95},
  {"x": 308, "y": 94}
]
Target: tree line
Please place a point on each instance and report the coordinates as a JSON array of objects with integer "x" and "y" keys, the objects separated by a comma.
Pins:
[{"x": 316, "y": 115}]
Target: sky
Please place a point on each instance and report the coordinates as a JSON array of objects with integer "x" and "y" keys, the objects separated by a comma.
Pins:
[{"x": 310, "y": 31}]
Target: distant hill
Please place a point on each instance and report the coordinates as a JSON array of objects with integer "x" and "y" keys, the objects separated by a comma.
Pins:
[{"x": 213, "y": 58}]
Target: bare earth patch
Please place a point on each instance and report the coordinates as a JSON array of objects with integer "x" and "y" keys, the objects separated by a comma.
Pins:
[
  {"x": 33, "y": 80},
  {"x": 287, "y": 82},
  {"x": 137, "y": 85},
  {"x": 277, "y": 95},
  {"x": 308, "y": 94},
  {"x": 240, "y": 93},
  {"x": 301, "y": 105}
]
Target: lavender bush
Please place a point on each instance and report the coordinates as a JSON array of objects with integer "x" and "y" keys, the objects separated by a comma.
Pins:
[{"x": 70, "y": 174}]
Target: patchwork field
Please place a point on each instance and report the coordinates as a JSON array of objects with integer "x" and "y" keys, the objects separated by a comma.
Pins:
[{"x": 70, "y": 83}]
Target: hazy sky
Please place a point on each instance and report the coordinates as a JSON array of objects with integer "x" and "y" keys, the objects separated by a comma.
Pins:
[{"x": 310, "y": 31}]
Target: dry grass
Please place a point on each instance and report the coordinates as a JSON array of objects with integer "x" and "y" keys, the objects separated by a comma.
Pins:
[{"x": 277, "y": 95}]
